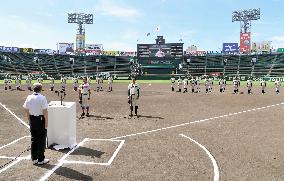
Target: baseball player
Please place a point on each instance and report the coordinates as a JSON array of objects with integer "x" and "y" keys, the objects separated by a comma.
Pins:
[
  {"x": 173, "y": 80},
  {"x": 207, "y": 85},
  {"x": 222, "y": 83},
  {"x": 249, "y": 86},
  {"x": 236, "y": 83},
  {"x": 84, "y": 96},
  {"x": 63, "y": 83},
  {"x": 239, "y": 82},
  {"x": 51, "y": 83},
  {"x": 29, "y": 83},
  {"x": 277, "y": 86},
  {"x": 89, "y": 80},
  {"x": 225, "y": 84},
  {"x": 263, "y": 86},
  {"x": 18, "y": 83},
  {"x": 197, "y": 84},
  {"x": 6, "y": 83},
  {"x": 10, "y": 83},
  {"x": 110, "y": 81},
  {"x": 193, "y": 84},
  {"x": 210, "y": 84},
  {"x": 185, "y": 84},
  {"x": 40, "y": 80},
  {"x": 101, "y": 83},
  {"x": 75, "y": 83},
  {"x": 179, "y": 84},
  {"x": 133, "y": 96},
  {"x": 98, "y": 83}
]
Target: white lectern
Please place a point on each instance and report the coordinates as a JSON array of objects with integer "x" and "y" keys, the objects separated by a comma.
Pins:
[{"x": 61, "y": 129}]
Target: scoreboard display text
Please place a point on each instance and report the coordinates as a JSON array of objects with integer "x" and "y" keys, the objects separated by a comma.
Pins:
[{"x": 164, "y": 51}]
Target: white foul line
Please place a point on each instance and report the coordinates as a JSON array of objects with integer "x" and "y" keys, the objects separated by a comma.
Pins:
[
  {"x": 14, "y": 142},
  {"x": 85, "y": 163},
  {"x": 61, "y": 162},
  {"x": 18, "y": 159},
  {"x": 8, "y": 157},
  {"x": 215, "y": 166},
  {"x": 12, "y": 164},
  {"x": 15, "y": 162},
  {"x": 194, "y": 122},
  {"x": 19, "y": 119}
]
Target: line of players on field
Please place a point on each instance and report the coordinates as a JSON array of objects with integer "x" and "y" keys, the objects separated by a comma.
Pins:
[
  {"x": 63, "y": 82},
  {"x": 208, "y": 82}
]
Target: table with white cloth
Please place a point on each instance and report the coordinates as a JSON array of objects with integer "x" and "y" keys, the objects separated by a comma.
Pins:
[{"x": 61, "y": 131}]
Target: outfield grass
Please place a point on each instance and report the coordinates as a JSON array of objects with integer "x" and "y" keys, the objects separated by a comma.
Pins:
[{"x": 243, "y": 83}]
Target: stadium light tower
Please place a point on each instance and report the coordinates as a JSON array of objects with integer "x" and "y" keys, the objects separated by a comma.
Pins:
[
  {"x": 245, "y": 17},
  {"x": 80, "y": 19}
]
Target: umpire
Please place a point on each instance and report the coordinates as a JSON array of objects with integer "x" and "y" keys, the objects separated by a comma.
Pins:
[{"x": 36, "y": 109}]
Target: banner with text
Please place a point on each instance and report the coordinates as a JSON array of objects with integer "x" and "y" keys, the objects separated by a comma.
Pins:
[
  {"x": 65, "y": 48},
  {"x": 113, "y": 53},
  {"x": 230, "y": 48},
  {"x": 94, "y": 48},
  {"x": 10, "y": 49},
  {"x": 26, "y": 50},
  {"x": 80, "y": 42},
  {"x": 44, "y": 51},
  {"x": 264, "y": 46},
  {"x": 245, "y": 40}
]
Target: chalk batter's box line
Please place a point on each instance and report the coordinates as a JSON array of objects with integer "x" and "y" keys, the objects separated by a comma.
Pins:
[
  {"x": 63, "y": 159},
  {"x": 13, "y": 114},
  {"x": 12, "y": 157},
  {"x": 121, "y": 143},
  {"x": 15, "y": 162},
  {"x": 19, "y": 159},
  {"x": 13, "y": 142}
]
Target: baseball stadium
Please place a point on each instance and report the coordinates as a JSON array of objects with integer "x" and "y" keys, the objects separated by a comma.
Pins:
[{"x": 163, "y": 110}]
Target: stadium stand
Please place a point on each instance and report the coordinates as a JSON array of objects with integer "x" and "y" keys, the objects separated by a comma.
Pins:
[
  {"x": 265, "y": 65},
  {"x": 68, "y": 65},
  {"x": 24, "y": 63},
  {"x": 277, "y": 66}
]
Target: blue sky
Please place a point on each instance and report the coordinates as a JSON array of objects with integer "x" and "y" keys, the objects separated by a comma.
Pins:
[{"x": 119, "y": 23}]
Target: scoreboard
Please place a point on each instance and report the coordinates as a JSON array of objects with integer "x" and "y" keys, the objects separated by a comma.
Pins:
[
  {"x": 169, "y": 50},
  {"x": 160, "y": 50},
  {"x": 161, "y": 57}
]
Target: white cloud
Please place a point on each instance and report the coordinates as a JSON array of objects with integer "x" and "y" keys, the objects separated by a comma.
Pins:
[
  {"x": 112, "y": 8},
  {"x": 278, "y": 38},
  {"x": 119, "y": 46},
  {"x": 255, "y": 34},
  {"x": 130, "y": 35},
  {"x": 278, "y": 41},
  {"x": 51, "y": 2},
  {"x": 21, "y": 32},
  {"x": 188, "y": 33},
  {"x": 44, "y": 14},
  {"x": 47, "y": 14}
]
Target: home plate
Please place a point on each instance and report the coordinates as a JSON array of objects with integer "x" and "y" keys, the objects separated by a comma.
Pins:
[{"x": 96, "y": 152}]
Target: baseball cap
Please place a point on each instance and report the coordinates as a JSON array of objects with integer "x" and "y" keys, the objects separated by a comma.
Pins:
[{"x": 37, "y": 84}]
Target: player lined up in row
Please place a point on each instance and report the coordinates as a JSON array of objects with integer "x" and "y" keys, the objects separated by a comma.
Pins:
[
  {"x": 63, "y": 82},
  {"x": 85, "y": 97},
  {"x": 208, "y": 82}
]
